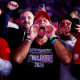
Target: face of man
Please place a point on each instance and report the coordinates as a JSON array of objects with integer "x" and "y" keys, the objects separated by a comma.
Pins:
[
  {"x": 42, "y": 21},
  {"x": 26, "y": 19},
  {"x": 65, "y": 27}
]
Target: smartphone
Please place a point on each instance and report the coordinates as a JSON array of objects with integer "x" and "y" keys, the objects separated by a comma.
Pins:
[{"x": 73, "y": 26}]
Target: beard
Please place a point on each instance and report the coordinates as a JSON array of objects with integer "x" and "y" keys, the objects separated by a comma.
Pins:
[
  {"x": 24, "y": 29},
  {"x": 69, "y": 37}
]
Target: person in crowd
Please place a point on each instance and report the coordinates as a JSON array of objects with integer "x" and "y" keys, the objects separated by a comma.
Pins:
[
  {"x": 75, "y": 68},
  {"x": 15, "y": 37},
  {"x": 4, "y": 18},
  {"x": 65, "y": 24},
  {"x": 75, "y": 19},
  {"x": 41, "y": 51},
  {"x": 74, "y": 13},
  {"x": 5, "y": 60},
  {"x": 5, "y": 51},
  {"x": 26, "y": 20}
]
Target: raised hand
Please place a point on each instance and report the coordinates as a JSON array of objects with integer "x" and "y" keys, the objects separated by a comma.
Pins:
[
  {"x": 12, "y": 5},
  {"x": 78, "y": 27},
  {"x": 34, "y": 31},
  {"x": 50, "y": 31},
  {"x": 77, "y": 33}
]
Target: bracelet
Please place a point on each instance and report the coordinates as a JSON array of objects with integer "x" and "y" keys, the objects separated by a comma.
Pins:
[
  {"x": 29, "y": 38},
  {"x": 52, "y": 39}
]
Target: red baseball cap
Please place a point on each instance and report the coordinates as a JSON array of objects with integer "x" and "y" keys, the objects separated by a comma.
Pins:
[{"x": 42, "y": 12}]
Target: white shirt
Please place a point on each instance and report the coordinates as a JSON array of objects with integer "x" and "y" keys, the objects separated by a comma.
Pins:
[{"x": 65, "y": 71}]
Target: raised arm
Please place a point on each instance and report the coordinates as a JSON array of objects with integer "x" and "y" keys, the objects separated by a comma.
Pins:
[
  {"x": 4, "y": 18},
  {"x": 63, "y": 54},
  {"x": 21, "y": 52}
]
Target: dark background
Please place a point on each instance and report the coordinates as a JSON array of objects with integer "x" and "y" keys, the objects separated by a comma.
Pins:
[{"x": 54, "y": 8}]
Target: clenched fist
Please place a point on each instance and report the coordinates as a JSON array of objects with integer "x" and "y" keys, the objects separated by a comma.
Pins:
[
  {"x": 34, "y": 31},
  {"x": 50, "y": 31},
  {"x": 12, "y": 5}
]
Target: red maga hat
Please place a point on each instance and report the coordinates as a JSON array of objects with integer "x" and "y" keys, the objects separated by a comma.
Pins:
[{"x": 42, "y": 12}]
